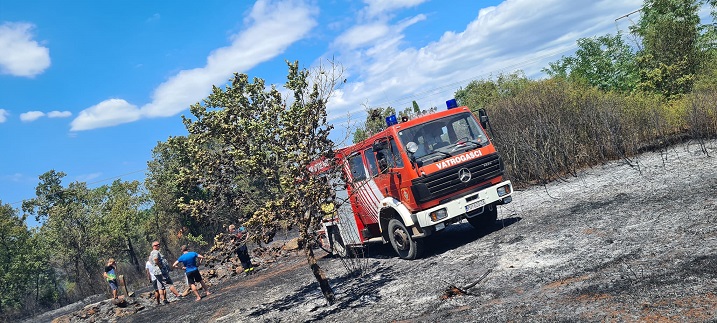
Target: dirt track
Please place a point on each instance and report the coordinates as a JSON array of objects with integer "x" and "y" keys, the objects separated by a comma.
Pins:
[{"x": 617, "y": 243}]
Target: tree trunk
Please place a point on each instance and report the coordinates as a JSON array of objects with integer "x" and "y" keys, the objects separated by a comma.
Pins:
[
  {"x": 77, "y": 277},
  {"x": 133, "y": 255},
  {"x": 320, "y": 275}
]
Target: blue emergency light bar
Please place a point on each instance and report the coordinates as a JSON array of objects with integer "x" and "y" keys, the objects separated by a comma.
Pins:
[
  {"x": 391, "y": 120},
  {"x": 451, "y": 104}
]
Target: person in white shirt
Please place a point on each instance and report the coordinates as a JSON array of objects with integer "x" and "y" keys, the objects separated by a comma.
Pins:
[{"x": 148, "y": 269}]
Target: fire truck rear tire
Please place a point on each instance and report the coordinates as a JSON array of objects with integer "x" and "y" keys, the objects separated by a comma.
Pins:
[
  {"x": 486, "y": 220},
  {"x": 406, "y": 247}
]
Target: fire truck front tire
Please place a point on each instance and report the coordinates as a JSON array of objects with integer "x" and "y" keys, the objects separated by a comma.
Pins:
[{"x": 406, "y": 247}]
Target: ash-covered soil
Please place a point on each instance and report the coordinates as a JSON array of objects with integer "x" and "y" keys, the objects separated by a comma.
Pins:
[{"x": 616, "y": 243}]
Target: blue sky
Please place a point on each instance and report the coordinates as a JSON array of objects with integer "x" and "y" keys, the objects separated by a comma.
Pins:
[{"x": 89, "y": 87}]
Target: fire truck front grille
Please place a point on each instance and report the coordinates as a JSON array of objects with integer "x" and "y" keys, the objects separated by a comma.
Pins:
[{"x": 447, "y": 181}]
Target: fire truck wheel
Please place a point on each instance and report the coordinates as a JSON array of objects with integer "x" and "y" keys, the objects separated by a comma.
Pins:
[
  {"x": 402, "y": 242},
  {"x": 338, "y": 247},
  {"x": 486, "y": 220}
]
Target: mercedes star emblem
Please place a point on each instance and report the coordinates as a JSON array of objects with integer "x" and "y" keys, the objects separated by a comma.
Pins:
[{"x": 464, "y": 175}]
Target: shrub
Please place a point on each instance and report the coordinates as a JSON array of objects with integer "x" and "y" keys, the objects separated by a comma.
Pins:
[{"x": 553, "y": 127}]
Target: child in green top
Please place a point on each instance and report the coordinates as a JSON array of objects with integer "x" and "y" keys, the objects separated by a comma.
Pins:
[{"x": 111, "y": 276}]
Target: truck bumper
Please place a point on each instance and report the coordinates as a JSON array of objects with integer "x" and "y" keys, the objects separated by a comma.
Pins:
[{"x": 458, "y": 208}]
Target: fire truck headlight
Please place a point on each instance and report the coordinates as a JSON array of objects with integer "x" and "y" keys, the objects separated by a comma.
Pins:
[
  {"x": 503, "y": 190},
  {"x": 438, "y": 215}
]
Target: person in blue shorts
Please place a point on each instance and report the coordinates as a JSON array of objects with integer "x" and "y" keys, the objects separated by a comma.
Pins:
[
  {"x": 111, "y": 276},
  {"x": 189, "y": 260}
]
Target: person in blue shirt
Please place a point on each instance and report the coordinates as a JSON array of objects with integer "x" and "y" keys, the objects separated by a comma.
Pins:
[{"x": 189, "y": 260}]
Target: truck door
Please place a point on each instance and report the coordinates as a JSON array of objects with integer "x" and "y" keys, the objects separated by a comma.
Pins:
[
  {"x": 365, "y": 195},
  {"x": 390, "y": 166}
]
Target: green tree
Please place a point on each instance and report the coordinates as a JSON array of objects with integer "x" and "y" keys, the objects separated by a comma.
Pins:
[
  {"x": 171, "y": 183},
  {"x": 708, "y": 32},
  {"x": 71, "y": 224},
  {"x": 122, "y": 216},
  {"x": 669, "y": 59},
  {"x": 227, "y": 138},
  {"x": 375, "y": 122},
  {"x": 250, "y": 151},
  {"x": 416, "y": 110},
  {"x": 43, "y": 284},
  {"x": 605, "y": 62},
  {"x": 14, "y": 254},
  {"x": 480, "y": 94}
]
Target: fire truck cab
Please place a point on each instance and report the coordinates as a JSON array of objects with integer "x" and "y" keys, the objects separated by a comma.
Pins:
[{"x": 414, "y": 178}]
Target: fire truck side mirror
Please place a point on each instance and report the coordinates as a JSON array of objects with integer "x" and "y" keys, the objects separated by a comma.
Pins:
[{"x": 483, "y": 118}]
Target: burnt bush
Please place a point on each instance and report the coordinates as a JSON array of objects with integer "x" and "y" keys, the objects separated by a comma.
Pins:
[
  {"x": 553, "y": 128},
  {"x": 702, "y": 116}
]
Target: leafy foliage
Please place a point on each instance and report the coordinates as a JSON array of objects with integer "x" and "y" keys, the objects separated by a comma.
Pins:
[
  {"x": 15, "y": 254},
  {"x": 81, "y": 228},
  {"x": 605, "y": 62},
  {"x": 171, "y": 183},
  {"x": 669, "y": 59},
  {"x": 480, "y": 94},
  {"x": 250, "y": 152}
]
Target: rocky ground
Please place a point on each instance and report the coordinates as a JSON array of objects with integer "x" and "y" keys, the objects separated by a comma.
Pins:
[{"x": 616, "y": 243}]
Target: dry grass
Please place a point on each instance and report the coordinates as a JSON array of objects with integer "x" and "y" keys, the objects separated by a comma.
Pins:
[{"x": 553, "y": 129}]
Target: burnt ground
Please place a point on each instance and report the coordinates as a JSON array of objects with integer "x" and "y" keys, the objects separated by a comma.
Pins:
[{"x": 616, "y": 243}]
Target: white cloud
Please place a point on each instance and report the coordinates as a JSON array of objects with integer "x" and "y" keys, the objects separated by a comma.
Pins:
[
  {"x": 34, "y": 115},
  {"x": 516, "y": 34},
  {"x": 378, "y": 7},
  {"x": 374, "y": 36},
  {"x": 19, "y": 54},
  {"x": 59, "y": 114},
  {"x": 31, "y": 116},
  {"x": 362, "y": 35},
  {"x": 3, "y": 115},
  {"x": 272, "y": 28},
  {"x": 106, "y": 114}
]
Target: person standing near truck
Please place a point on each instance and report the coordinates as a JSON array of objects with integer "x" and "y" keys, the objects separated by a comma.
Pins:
[
  {"x": 189, "y": 260},
  {"x": 238, "y": 237}
]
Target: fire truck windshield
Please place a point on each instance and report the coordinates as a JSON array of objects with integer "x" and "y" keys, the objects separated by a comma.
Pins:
[{"x": 441, "y": 138}]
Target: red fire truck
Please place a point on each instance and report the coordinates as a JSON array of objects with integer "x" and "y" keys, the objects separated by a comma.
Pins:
[{"x": 414, "y": 178}]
